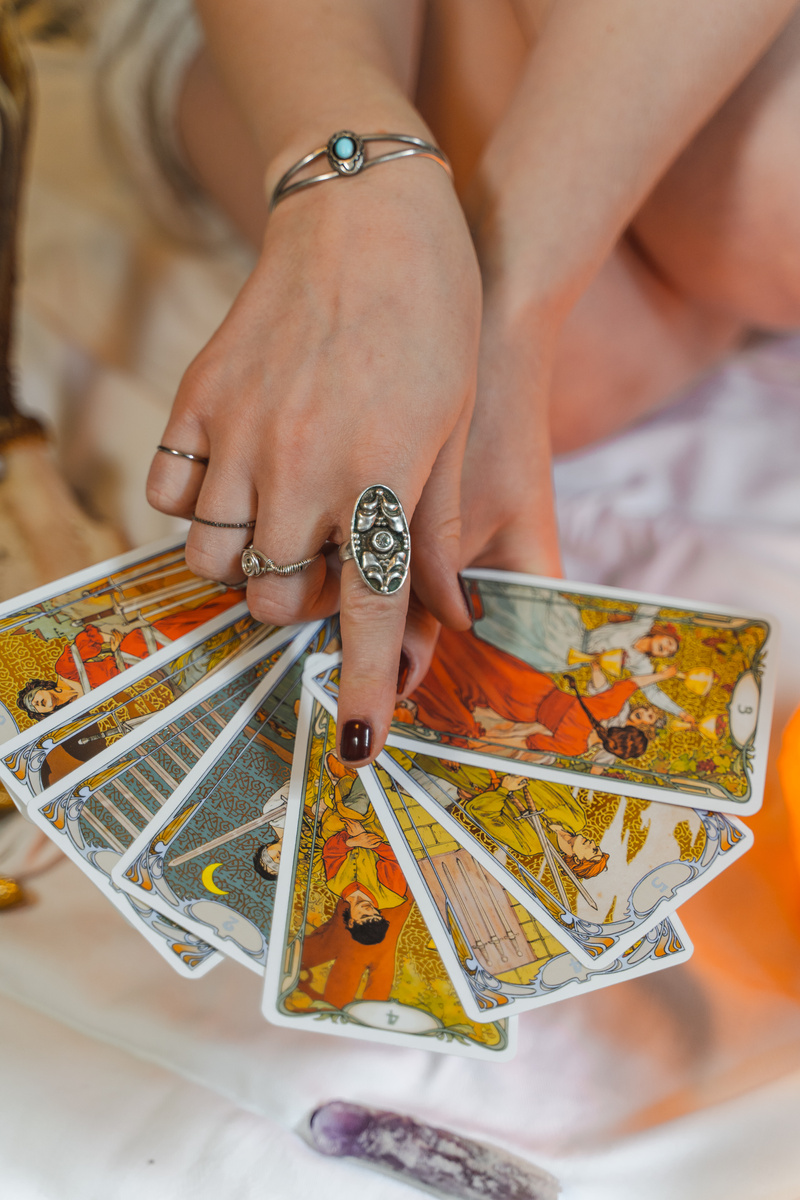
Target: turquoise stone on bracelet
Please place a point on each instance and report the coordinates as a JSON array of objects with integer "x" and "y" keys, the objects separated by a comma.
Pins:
[
  {"x": 344, "y": 147},
  {"x": 345, "y": 151}
]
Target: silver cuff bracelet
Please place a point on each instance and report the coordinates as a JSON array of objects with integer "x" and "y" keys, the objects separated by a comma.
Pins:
[{"x": 345, "y": 154}]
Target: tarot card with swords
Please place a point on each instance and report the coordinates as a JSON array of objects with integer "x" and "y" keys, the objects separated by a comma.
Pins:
[
  {"x": 598, "y": 870},
  {"x": 499, "y": 957}
]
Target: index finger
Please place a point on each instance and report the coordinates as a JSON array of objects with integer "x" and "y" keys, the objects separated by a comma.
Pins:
[{"x": 372, "y": 620}]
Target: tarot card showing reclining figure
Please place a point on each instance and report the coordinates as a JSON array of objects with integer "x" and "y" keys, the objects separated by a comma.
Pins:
[
  {"x": 581, "y": 684},
  {"x": 499, "y": 957},
  {"x": 35, "y": 760},
  {"x": 350, "y": 953},
  {"x": 76, "y": 636}
]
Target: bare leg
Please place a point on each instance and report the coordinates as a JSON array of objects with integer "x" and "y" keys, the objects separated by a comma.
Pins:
[
  {"x": 220, "y": 150},
  {"x": 723, "y": 226},
  {"x": 713, "y": 254},
  {"x": 632, "y": 341},
  {"x": 637, "y": 335}
]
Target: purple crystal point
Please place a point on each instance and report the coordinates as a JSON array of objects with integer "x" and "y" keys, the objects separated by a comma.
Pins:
[
  {"x": 436, "y": 1159},
  {"x": 335, "y": 1127}
]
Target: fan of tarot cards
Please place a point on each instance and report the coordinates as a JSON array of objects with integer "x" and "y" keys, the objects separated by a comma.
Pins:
[{"x": 570, "y": 770}]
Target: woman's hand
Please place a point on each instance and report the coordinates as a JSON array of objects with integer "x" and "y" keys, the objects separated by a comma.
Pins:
[
  {"x": 348, "y": 359},
  {"x": 508, "y": 508}
]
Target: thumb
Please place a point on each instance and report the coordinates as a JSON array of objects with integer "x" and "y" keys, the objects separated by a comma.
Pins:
[
  {"x": 508, "y": 506},
  {"x": 436, "y": 533}
]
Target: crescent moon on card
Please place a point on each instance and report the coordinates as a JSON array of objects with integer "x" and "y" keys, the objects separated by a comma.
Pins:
[{"x": 208, "y": 879}]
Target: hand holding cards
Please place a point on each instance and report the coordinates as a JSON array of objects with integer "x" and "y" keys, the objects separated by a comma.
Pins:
[{"x": 569, "y": 772}]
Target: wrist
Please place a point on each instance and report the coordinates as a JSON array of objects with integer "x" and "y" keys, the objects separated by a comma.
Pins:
[
  {"x": 406, "y": 208},
  {"x": 531, "y": 255}
]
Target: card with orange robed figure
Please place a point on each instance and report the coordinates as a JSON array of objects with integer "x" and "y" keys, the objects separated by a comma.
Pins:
[
  {"x": 350, "y": 953},
  {"x": 596, "y": 687},
  {"x": 74, "y": 638},
  {"x": 38, "y": 759}
]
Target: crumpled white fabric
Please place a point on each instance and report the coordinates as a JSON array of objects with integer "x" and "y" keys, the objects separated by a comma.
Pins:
[{"x": 117, "y": 1078}]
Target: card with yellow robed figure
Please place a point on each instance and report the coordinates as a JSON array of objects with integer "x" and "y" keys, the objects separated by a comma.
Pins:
[
  {"x": 500, "y": 958},
  {"x": 597, "y": 869},
  {"x": 350, "y": 953}
]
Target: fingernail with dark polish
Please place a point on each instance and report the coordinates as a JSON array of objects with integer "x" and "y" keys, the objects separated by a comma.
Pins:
[
  {"x": 356, "y": 741},
  {"x": 402, "y": 674},
  {"x": 467, "y": 598}
]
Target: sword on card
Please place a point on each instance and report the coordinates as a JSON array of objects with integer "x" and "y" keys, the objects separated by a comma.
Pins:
[{"x": 554, "y": 861}]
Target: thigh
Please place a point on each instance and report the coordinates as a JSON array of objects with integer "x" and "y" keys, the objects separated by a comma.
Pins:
[{"x": 723, "y": 225}]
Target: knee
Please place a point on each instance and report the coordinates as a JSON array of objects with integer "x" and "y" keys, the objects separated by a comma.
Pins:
[
  {"x": 759, "y": 275},
  {"x": 740, "y": 258}
]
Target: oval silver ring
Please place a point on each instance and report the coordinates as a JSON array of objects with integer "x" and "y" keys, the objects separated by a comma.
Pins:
[{"x": 380, "y": 543}]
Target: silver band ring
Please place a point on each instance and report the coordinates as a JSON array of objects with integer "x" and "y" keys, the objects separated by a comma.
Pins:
[
  {"x": 380, "y": 543},
  {"x": 198, "y": 458},
  {"x": 223, "y": 524},
  {"x": 254, "y": 564}
]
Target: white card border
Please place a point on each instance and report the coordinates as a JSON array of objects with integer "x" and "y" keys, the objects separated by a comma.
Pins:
[
  {"x": 624, "y": 942},
  {"x": 191, "y": 783},
  {"x": 604, "y": 974},
  {"x": 119, "y": 749},
  {"x": 283, "y": 899}
]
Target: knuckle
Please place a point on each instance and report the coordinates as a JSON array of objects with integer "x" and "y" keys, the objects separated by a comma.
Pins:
[
  {"x": 364, "y": 686},
  {"x": 271, "y": 606},
  {"x": 205, "y": 563},
  {"x": 440, "y": 544},
  {"x": 197, "y": 386},
  {"x": 166, "y": 499},
  {"x": 368, "y": 609}
]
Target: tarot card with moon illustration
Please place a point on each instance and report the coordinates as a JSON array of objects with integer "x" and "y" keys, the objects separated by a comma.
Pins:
[
  {"x": 498, "y": 956},
  {"x": 588, "y": 686},
  {"x": 102, "y": 810},
  {"x": 598, "y": 870},
  {"x": 350, "y": 953},
  {"x": 209, "y": 857}
]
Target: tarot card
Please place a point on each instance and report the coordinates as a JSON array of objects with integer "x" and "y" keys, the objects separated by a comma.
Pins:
[
  {"x": 34, "y": 761},
  {"x": 598, "y": 870},
  {"x": 96, "y": 814},
  {"x": 209, "y": 858},
  {"x": 583, "y": 685},
  {"x": 350, "y": 953},
  {"x": 498, "y": 956},
  {"x": 76, "y": 636}
]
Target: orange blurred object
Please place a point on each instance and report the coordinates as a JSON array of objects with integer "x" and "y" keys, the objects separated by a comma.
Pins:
[{"x": 789, "y": 768}]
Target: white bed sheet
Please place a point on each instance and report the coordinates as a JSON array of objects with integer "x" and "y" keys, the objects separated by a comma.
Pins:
[{"x": 680, "y": 1086}]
